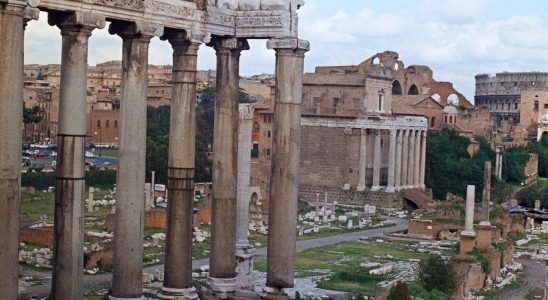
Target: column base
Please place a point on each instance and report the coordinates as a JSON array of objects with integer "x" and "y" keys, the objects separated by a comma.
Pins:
[
  {"x": 270, "y": 293},
  {"x": 244, "y": 257},
  {"x": 360, "y": 188},
  {"x": 375, "y": 188},
  {"x": 116, "y": 298},
  {"x": 179, "y": 294},
  {"x": 390, "y": 189},
  {"x": 221, "y": 287}
]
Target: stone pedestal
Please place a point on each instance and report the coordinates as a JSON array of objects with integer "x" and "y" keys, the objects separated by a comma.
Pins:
[
  {"x": 244, "y": 269},
  {"x": 222, "y": 288},
  {"x": 467, "y": 242},
  {"x": 484, "y": 236},
  {"x": 178, "y": 294},
  {"x": 274, "y": 294}
]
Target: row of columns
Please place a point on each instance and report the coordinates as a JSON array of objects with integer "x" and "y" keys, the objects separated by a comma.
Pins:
[
  {"x": 406, "y": 162},
  {"x": 76, "y": 29}
]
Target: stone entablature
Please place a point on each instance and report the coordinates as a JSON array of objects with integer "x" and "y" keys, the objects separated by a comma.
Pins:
[
  {"x": 371, "y": 122},
  {"x": 271, "y": 20}
]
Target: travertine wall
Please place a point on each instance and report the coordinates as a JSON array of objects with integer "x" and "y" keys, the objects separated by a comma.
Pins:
[
  {"x": 533, "y": 105},
  {"x": 379, "y": 199}
]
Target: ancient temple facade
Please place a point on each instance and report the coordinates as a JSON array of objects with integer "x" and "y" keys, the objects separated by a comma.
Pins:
[{"x": 186, "y": 25}]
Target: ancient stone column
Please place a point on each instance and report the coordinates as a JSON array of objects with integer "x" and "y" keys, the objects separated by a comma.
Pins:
[
  {"x": 377, "y": 162},
  {"x": 244, "y": 250},
  {"x": 418, "y": 154},
  {"x": 363, "y": 161},
  {"x": 325, "y": 206},
  {"x": 222, "y": 262},
  {"x": 411, "y": 160},
  {"x": 392, "y": 162},
  {"x": 180, "y": 185},
  {"x": 423, "y": 162},
  {"x": 68, "y": 242},
  {"x": 11, "y": 95},
  {"x": 404, "y": 159},
  {"x": 486, "y": 201},
  {"x": 90, "y": 199},
  {"x": 469, "y": 218},
  {"x": 130, "y": 191},
  {"x": 317, "y": 206},
  {"x": 284, "y": 182},
  {"x": 468, "y": 235},
  {"x": 498, "y": 166},
  {"x": 397, "y": 175}
]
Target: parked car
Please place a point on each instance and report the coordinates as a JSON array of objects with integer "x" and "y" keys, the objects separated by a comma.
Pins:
[
  {"x": 25, "y": 162},
  {"x": 37, "y": 153},
  {"x": 90, "y": 154}
]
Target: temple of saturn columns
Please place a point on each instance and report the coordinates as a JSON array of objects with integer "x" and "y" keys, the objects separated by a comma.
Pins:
[{"x": 221, "y": 24}]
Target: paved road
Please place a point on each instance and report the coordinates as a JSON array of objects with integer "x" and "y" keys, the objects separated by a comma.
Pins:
[{"x": 90, "y": 280}]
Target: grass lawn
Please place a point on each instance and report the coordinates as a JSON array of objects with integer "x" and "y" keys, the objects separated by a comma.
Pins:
[
  {"x": 35, "y": 205},
  {"x": 106, "y": 153},
  {"x": 342, "y": 262}
]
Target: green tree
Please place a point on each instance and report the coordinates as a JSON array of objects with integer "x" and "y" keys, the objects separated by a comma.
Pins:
[
  {"x": 449, "y": 167},
  {"x": 31, "y": 115},
  {"x": 437, "y": 274},
  {"x": 513, "y": 164},
  {"x": 399, "y": 292}
]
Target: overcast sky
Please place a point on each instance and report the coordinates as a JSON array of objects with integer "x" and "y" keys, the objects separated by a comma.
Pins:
[{"x": 456, "y": 38}]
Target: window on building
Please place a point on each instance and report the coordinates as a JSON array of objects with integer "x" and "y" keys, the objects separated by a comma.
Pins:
[
  {"x": 508, "y": 105},
  {"x": 536, "y": 105},
  {"x": 516, "y": 105},
  {"x": 107, "y": 124},
  {"x": 433, "y": 122},
  {"x": 381, "y": 100},
  {"x": 255, "y": 151},
  {"x": 445, "y": 119},
  {"x": 256, "y": 126},
  {"x": 336, "y": 101},
  {"x": 396, "y": 88},
  {"x": 413, "y": 90},
  {"x": 115, "y": 123},
  {"x": 269, "y": 134},
  {"x": 268, "y": 152},
  {"x": 546, "y": 106},
  {"x": 98, "y": 123}
]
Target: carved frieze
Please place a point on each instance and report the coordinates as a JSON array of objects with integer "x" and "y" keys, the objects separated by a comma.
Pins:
[
  {"x": 130, "y": 4},
  {"x": 271, "y": 21},
  {"x": 169, "y": 9}
]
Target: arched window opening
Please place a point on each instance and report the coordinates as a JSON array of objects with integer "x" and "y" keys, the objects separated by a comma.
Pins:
[
  {"x": 453, "y": 99},
  {"x": 436, "y": 97},
  {"x": 381, "y": 100},
  {"x": 396, "y": 88},
  {"x": 376, "y": 61},
  {"x": 413, "y": 90},
  {"x": 536, "y": 105},
  {"x": 433, "y": 122}
]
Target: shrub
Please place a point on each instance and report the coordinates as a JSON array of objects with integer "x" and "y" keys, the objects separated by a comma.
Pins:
[
  {"x": 399, "y": 292},
  {"x": 437, "y": 274}
]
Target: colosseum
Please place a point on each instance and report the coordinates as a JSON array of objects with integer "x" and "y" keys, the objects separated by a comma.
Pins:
[{"x": 507, "y": 94}]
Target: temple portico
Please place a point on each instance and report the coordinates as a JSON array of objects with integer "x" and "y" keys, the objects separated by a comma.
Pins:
[
  {"x": 185, "y": 25},
  {"x": 398, "y": 145}
]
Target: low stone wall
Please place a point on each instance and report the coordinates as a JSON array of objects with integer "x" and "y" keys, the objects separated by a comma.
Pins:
[
  {"x": 39, "y": 235},
  {"x": 156, "y": 219},
  {"x": 378, "y": 199},
  {"x": 423, "y": 229}
]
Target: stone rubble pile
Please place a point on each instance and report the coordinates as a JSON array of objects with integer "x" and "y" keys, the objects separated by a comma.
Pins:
[{"x": 40, "y": 257}]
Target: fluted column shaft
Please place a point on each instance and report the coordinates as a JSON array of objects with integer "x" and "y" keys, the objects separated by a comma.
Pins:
[
  {"x": 245, "y": 131},
  {"x": 404, "y": 159},
  {"x": 284, "y": 182},
  {"x": 418, "y": 154},
  {"x": 225, "y": 158},
  {"x": 469, "y": 213},
  {"x": 423, "y": 161},
  {"x": 130, "y": 191},
  {"x": 411, "y": 160},
  {"x": 397, "y": 175},
  {"x": 363, "y": 161},
  {"x": 11, "y": 114},
  {"x": 377, "y": 162},
  {"x": 392, "y": 162},
  {"x": 486, "y": 200},
  {"x": 68, "y": 245},
  {"x": 181, "y": 165}
]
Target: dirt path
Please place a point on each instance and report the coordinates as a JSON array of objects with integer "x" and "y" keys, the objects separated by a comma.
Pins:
[{"x": 533, "y": 279}]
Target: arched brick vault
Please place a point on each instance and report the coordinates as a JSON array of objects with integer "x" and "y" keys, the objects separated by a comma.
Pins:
[{"x": 418, "y": 75}]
